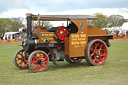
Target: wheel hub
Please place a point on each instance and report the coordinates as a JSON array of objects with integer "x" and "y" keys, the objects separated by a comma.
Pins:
[
  {"x": 97, "y": 52},
  {"x": 61, "y": 32},
  {"x": 39, "y": 61}
]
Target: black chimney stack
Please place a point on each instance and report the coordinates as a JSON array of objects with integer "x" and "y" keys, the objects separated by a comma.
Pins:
[{"x": 29, "y": 25}]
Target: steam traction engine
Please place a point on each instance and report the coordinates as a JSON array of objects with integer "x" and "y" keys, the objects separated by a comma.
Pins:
[{"x": 73, "y": 42}]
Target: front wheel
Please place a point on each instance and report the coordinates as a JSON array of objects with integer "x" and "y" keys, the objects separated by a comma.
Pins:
[
  {"x": 96, "y": 52},
  {"x": 38, "y": 61},
  {"x": 21, "y": 59}
]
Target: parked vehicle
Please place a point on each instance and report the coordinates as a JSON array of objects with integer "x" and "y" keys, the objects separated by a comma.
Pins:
[{"x": 72, "y": 43}]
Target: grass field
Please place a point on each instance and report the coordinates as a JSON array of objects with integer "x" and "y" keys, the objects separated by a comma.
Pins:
[{"x": 113, "y": 72}]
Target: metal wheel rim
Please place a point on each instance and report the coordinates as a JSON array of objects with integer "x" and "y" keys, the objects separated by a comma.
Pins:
[
  {"x": 39, "y": 61},
  {"x": 65, "y": 32},
  {"x": 20, "y": 59},
  {"x": 98, "y": 52}
]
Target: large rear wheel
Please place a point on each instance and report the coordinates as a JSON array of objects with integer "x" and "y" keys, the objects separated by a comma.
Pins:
[
  {"x": 96, "y": 52},
  {"x": 38, "y": 61}
]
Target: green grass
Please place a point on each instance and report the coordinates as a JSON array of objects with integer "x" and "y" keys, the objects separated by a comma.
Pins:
[{"x": 113, "y": 72}]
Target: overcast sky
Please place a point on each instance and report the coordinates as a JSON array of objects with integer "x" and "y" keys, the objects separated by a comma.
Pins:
[{"x": 18, "y": 8}]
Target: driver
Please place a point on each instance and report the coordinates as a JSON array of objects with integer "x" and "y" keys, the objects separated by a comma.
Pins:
[{"x": 44, "y": 27}]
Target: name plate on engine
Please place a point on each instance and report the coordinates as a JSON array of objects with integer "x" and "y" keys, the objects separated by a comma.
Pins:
[
  {"x": 47, "y": 35},
  {"x": 78, "y": 40}
]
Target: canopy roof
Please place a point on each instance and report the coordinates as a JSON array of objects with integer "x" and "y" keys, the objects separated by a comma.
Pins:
[{"x": 63, "y": 17}]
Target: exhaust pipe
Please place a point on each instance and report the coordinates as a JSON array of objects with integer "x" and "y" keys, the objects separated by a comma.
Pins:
[{"x": 29, "y": 25}]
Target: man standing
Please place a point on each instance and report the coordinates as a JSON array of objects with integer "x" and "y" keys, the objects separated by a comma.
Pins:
[
  {"x": 127, "y": 33},
  {"x": 1, "y": 38}
]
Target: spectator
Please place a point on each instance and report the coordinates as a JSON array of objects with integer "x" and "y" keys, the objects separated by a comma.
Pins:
[
  {"x": 127, "y": 33},
  {"x": 107, "y": 31},
  {"x": 1, "y": 36},
  {"x": 9, "y": 36},
  {"x": 117, "y": 33},
  {"x": 5, "y": 38},
  {"x": 112, "y": 32},
  {"x": 20, "y": 38},
  {"x": 15, "y": 38}
]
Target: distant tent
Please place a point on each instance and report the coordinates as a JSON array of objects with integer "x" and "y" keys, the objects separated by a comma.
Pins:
[
  {"x": 125, "y": 26},
  {"x": 10, "y": 35}
]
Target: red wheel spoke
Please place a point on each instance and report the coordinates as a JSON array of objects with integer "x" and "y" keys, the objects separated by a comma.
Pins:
[
  {"x": 103, "y": 50},
  {"x": 41, "y": 65},
  {"x": 19, "y": 58},
  {"x": 22, "y": 55},
  {"x": 100, "y": 59},
  {"x": 41, "y": 55},
  {"x": 103, "y": 55},
  {"x": 95, "y": 46},
  {"x": 49, "y": 53},
  {"x": 20, "y": 65},
  {"x": 94, "y": 57},
  {"x": 92, "y": 49},
  {"x": 20, "y": 62},
  {"x": 35, "y": 66},
  {"x": 97, "y": 61},
  {"x": 25, "y": 60},
  {"x": 34, "y": 62},
  {"x": 35, "y": 58},
  {"x": 101, "y": 47},
  {"x": 44, "y": 59},
  {"x": 94, "y": 61},
  {"x": 16, "y": 60},
  {"x": 92, "y": 54}
]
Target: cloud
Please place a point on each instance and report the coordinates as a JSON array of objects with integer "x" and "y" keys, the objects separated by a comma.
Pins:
[
  {"x": 6, "y": 5},
  {"x": 14, "y": 13},
  {"x": 60, "y": 5},
  {"x": 105, "y": 11},
  {"x": 63, "y": 5},
  {"x": 18, "y": 8}
]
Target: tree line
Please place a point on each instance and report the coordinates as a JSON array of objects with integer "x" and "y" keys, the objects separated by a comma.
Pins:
[
  {"x": 105, "y": 21},
  {"x": 11, "y": 24}
]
